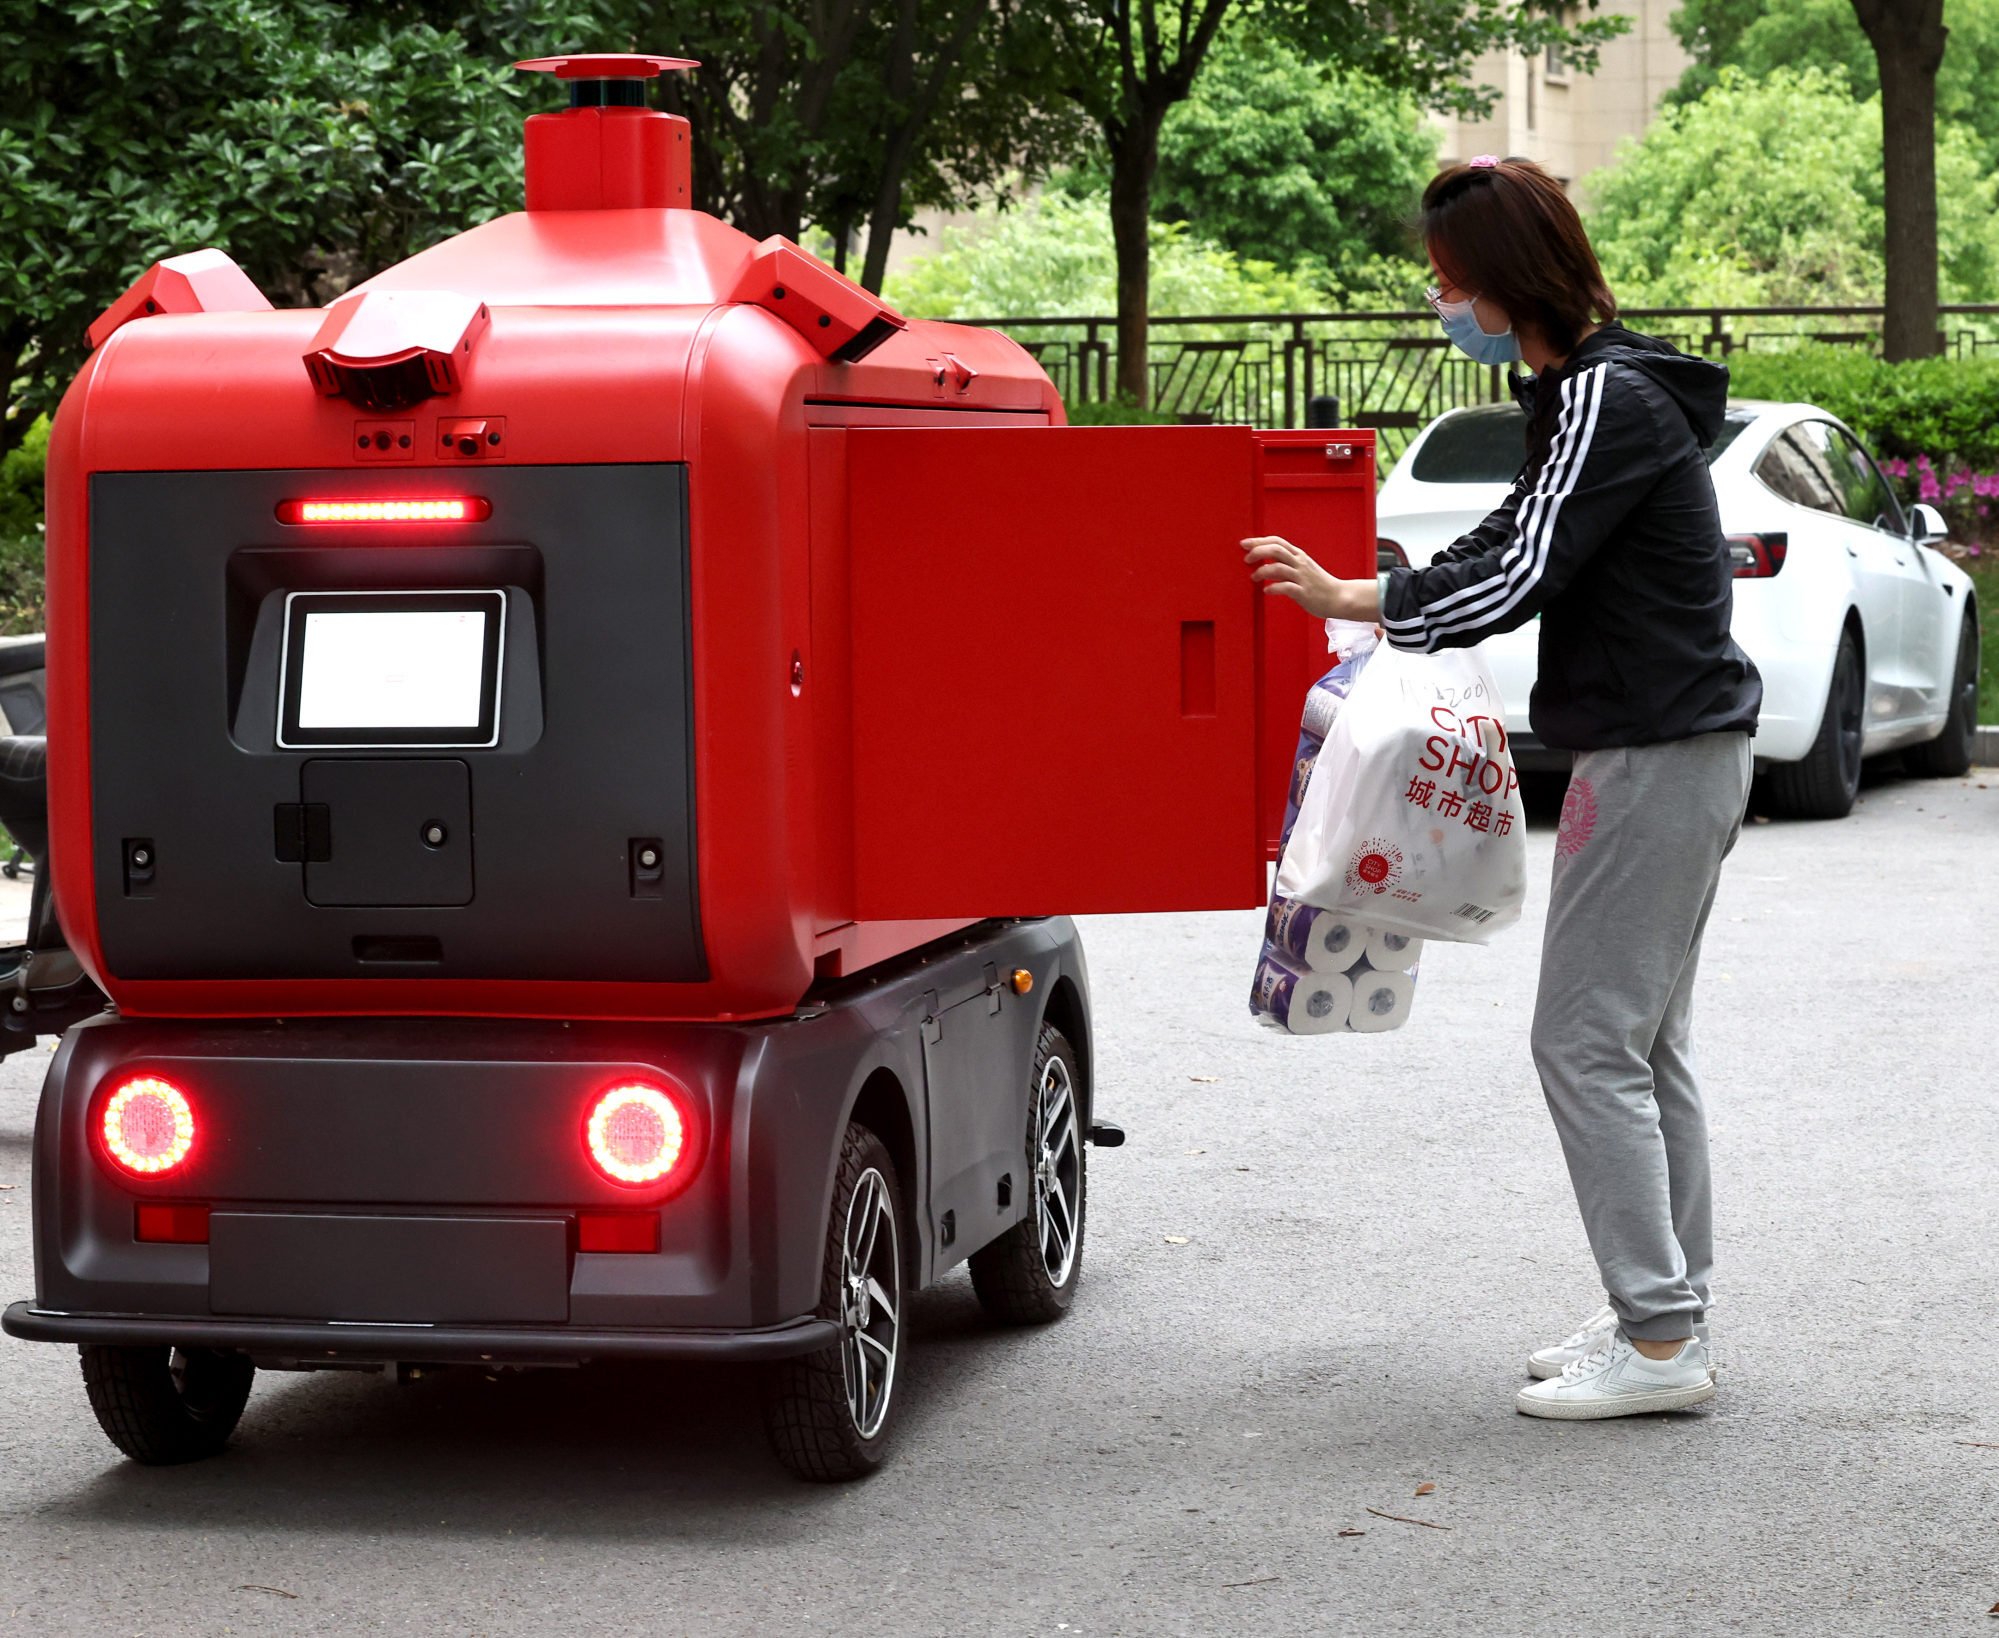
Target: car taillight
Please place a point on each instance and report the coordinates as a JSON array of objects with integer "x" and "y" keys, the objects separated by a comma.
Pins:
[
  {"x": 636, "y": 1133},
  {"x": 1388, "y": 554},
  {"x": 398, "y": 509},
  {"x": 147, "y": 1126},
  {"x": 1757, "y": 557}
]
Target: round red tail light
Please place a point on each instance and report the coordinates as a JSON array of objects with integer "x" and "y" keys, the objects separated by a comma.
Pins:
[
  {"x": 148, "y": 1126},
  {"x": 636, "y": 1133}
]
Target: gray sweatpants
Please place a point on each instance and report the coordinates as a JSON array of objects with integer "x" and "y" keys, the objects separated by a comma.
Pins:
[{"x": 1637, "y": 861}]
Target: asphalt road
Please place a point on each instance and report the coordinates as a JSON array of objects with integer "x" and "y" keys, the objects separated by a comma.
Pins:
[{"x": 1376, "y": 1231}]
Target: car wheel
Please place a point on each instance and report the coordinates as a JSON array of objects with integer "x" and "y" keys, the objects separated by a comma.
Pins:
[
  {"x": 829, "y": 1413},
  {"x": 1028, "y": 1275},
  {"x": 1824, "y": 784},
  {"x": 162, "y": 1406},
  {"x": 1949, "y": 754}
]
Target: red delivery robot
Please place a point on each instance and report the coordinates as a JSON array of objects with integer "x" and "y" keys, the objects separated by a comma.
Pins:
[{"x": 565, "y": 773}]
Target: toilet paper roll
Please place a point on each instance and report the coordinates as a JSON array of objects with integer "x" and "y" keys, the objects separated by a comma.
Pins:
[
  {"x": 1299, "y": 1003},
  {"x": 1322, "y": 705},
  {"x": 1320, "y": 940},
  {"x": 1393, "y": 952},
  {"x": 1381, "y": 1001}
]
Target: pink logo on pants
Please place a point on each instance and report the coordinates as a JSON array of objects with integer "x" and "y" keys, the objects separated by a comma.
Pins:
[{"x": 1578, "y": 818}]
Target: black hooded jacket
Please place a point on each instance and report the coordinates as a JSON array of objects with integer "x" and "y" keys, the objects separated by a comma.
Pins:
[{"x": 1612, "y": 535}]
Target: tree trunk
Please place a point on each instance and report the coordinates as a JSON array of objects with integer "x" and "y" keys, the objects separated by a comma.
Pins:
[
  {"x": 1134, "y": 157},
  {"x": 1908, "y": 40}
]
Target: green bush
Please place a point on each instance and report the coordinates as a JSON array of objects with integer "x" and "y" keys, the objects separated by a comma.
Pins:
[
  {"x": 1117, "y": 412},
  {"x": 21, "y": 498},
  {"x": 1944, "y": 408},
  {"x": 21, "y": 468}
]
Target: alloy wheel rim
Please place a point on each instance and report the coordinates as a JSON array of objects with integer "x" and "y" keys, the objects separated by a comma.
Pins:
[
  {"x": 870, "y": 1303},
  {"x": 1057, "y": 1171}
]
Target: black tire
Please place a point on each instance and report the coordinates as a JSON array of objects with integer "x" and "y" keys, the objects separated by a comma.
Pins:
[
  {"x": 162, "y": 1406},
  {"x": 1949, "y": 755},
  {"x": 818, "y": 1426},
  {"x": 1028, "y": 1275},
  {"x": 1825, "y": 783}
]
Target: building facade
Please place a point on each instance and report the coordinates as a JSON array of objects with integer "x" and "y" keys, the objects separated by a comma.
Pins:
[{"x": 1573, "y": 122}]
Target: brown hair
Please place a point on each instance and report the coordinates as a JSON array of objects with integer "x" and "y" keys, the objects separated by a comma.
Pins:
[{"x": 1507, "y": 231}]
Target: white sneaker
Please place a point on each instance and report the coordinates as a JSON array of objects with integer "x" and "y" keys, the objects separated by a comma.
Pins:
[
  {"x": 1551, "y": 1361},
  {"x": 1580, "y": 1344},
  {"x": 1617, "y": 1380}
]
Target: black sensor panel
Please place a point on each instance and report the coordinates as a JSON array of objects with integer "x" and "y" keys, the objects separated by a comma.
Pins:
[{"x": 508, "y": 860}]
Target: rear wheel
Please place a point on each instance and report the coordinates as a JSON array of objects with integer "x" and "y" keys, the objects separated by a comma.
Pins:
[
  {"x": 1028, "y": 1275},
  {"x": 166, "y": 1405},
  {"x": 1949, "y": 754},
  {"x": 829, "y": 1413},
  {"x": 1824, "y": 784}
]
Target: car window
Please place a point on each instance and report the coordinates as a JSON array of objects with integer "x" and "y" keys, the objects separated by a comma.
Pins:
[
  {"x": 1868, "y": 497},
  {"x": 1486, "y": 445},
  {"x": 1733, "y": 425},
  {"x": 1797, "y": 468}
]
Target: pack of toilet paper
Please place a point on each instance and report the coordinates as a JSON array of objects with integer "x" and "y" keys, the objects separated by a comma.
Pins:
[{"x": 1322, "y": 972}]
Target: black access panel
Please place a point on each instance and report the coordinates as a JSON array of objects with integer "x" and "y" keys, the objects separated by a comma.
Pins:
[{"x": 255, "y": 817}]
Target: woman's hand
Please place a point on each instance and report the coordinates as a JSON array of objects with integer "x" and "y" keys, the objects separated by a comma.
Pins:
[{"x": 1282, "y": 568}]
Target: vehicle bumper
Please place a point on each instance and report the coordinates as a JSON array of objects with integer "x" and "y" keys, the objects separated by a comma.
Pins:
[
  {"x": 327, "y": 1344},
  {"x": 418, "y": 1189}
]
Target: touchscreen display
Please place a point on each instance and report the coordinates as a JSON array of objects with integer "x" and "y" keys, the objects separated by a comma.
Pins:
[{"x": 400, "y": 668}]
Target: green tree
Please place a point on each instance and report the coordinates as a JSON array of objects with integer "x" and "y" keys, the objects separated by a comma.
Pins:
[
  {"x": 852, "y": 116},
  {"x": 1287, "y": 160},
  {"x": 1894, "y": 49},
  {"x": 1759, "y": 38},
  {"x": 1129, "y": 63},
  {"x": 1052, "y": 257},
  {"x": 311, "y": 141},
  {"x": 1771, "y": 191}
]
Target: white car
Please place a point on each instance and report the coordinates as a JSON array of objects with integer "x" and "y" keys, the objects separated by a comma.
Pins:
[{"x": 1866, "y": 637}]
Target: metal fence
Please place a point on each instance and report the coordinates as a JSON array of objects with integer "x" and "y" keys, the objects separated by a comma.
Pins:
[{"x": 1394, "y": 371}]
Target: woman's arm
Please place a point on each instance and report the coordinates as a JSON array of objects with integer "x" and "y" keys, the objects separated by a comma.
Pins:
[
  {"x": 1286, "y": 571},
  {"x": 1604, "y": 457}
]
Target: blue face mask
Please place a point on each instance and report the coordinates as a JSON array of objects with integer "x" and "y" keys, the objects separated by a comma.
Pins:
[{"x": 1469, "y": 337}]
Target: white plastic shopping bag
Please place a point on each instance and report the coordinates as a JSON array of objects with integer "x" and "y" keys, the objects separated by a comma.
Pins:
[{"x": 1411, "y": 819}]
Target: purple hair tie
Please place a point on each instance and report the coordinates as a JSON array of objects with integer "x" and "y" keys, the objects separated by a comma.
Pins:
[{"x": 1484, "y": 162}]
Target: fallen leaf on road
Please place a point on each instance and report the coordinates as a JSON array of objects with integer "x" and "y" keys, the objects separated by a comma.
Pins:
[
  {"x": 1761, "y": 820},
  {"x": 1994, "y": 1610},
  {"x": 1427, "y": 1524},
  {"x": 253, "y": 1587},
  {"x": 1176, "y": 1239},
  {"x": 1353, "y": 1532},
  {"x": 1260, "y": 1581},
  {"x": 1425, "y": 1488},
  {"x": 1976, "y": 1444},
  {"x": 1204, "y": 1080},
  {"x": 1197, "y": 1151}
]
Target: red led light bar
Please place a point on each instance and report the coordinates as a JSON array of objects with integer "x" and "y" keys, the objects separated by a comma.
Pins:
[{"x": 401, "y": 509}]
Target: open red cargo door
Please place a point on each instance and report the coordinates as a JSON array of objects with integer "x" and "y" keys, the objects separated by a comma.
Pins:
[
  {"x": 1055, "y": 670},
  {"x": 1317, "y": 491}
]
